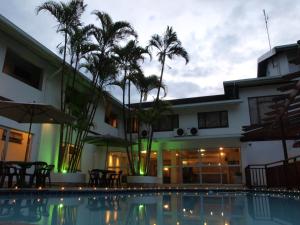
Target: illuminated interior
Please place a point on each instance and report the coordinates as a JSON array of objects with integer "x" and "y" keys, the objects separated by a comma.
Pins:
[
  {"x": 13, "y": 144},
  {"x": 216, "y": 166},
  {"x": 117, "y": 161}
]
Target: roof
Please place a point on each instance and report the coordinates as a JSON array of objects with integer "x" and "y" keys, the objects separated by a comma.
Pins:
[
  {"x": 258, "y": 81},
  {"x": 39, "y": 49},
  {"x": 263, "y": 60},
  {"x": 188, "y": 101},
  {"x": 230, "y": 88}
]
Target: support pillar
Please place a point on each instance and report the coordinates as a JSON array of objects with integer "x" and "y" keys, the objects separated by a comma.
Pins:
[{"x": 160, "y": 165}]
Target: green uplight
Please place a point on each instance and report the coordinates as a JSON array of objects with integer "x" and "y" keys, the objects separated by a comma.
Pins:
[
  {"x": 60, "y": 205},
  {"x": 64, "y": 171},
  {"x": 141, "y": 172}
]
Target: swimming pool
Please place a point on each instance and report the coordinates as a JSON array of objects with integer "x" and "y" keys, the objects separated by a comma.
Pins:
[{"x": 179, "y": 208}]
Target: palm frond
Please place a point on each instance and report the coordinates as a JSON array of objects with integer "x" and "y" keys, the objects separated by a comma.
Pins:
[{"x": 177, "y": 50}]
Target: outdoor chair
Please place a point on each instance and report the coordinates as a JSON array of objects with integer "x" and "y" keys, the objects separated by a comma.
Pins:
[
  {"x": 94, "y": 178},
  {"x": 115, "y": 179},
  {"x": 8, "y": 171},
  {"x": 42, "y": 174},
  {"x": 37, "y": 170}
]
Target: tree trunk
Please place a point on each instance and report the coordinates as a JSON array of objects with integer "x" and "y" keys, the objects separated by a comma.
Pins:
[
  {"x": 130, "y": 122},
  {"x": 139, "y": 137},
  {"x": 62, "y": 108},
  {"x": 161, "y": 76},
  {"x": 125, "y": 124}
]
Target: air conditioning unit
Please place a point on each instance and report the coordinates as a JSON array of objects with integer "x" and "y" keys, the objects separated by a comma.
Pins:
[
  {"x": 144, "y": 133},
  {"x": 178, "y": 132},
  {"x": 192, "y": 131}
]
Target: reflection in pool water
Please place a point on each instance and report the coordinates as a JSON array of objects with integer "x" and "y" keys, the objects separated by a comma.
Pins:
[{"x": 154, "y": 209}]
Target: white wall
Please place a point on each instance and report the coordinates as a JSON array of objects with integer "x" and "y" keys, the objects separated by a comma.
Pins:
[
  {"x": 16, "y": 90},
  {"x": 278, "y": 65}
]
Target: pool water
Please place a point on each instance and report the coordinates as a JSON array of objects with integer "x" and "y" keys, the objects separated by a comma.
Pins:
[{"x": 158, "y": 208}]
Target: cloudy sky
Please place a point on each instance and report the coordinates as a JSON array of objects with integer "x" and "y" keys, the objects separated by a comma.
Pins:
[{"x": 224, "y": 38}]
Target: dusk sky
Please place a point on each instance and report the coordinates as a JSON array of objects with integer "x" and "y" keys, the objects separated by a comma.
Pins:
[{"x": 224, "y": 38}]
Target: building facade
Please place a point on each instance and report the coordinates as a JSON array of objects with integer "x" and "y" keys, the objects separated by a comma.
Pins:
[{"x": 200, "y": 143}]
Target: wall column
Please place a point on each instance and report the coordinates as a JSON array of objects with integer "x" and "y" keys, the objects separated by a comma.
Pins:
[{"x": 160, "y": 165}]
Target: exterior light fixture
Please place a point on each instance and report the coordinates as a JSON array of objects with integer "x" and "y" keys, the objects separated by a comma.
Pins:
[
  {"x": 166, "y": 206},
  {"x": 221, "y": 148},
  {"x": 202, "y": 150}
]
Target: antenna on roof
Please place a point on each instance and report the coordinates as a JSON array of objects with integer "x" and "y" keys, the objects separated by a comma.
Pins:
[{"x": 267, "y": 29}]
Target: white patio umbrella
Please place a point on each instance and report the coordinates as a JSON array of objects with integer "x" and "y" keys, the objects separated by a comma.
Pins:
[{"x": 32, "y": 113}]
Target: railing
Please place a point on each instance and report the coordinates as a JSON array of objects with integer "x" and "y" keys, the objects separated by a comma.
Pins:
[{"x": 279, "y": 174}]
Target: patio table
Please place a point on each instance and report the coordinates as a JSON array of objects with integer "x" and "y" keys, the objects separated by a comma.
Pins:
[
  {"x": 104, "y": 177},
  {"x": 23, "y": 166}
]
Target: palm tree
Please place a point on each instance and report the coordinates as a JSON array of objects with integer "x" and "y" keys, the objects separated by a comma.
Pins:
[
  {"x": 67, "y": 15},
  {"x": 149, "y": 117},
  {"x": 128, "y": 58},
  {"x": 167, "y": 46},
  {"x": 144, "y": 85},
  {"x": 108, "y": 36},
  {"x": 103, "y": 72},
  {"x": 110, "y": 33},
  {"x": 80, "y": 45}
]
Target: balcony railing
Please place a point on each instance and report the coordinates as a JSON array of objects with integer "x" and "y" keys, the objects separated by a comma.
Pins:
[{"x": 279, "y": 174}]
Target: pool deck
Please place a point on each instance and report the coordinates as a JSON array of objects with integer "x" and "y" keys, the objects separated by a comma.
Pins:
[{"x": 66, "y": 190}]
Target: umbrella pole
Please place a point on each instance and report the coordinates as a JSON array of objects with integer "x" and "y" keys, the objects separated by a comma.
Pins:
[
  {"x": 28, "y": 137},
  {"x": 106, "y": 156}
]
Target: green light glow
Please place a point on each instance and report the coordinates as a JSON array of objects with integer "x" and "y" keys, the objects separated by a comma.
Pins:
[
  {"x": 141, "y": 172},
  {"x": 60, "y": 205},
  {"x": 64, "y": 171}
]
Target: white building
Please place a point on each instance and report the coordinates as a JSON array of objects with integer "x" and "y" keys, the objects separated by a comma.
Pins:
[{"x": 215, "y": 154}]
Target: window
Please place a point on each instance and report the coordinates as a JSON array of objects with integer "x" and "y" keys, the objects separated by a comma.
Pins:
[
  {"x": 133, "y": 126},
  {"x": 258, "y": 106},
  {"x": 212, "y": 119},
  {"x": 22, "y": 70},
  {"x": 111, "y": 119},
  {"x": 166, "y": 123},
  {"x": 14, "y": 137}
]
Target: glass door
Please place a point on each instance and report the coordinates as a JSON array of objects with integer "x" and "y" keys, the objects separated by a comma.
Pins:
[{"x": 202, "y": 166}]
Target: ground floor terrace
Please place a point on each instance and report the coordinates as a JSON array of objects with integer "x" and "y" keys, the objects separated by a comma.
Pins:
[
  {"x": 196, "y": 160},
  {"x": 202, "y": 161}
]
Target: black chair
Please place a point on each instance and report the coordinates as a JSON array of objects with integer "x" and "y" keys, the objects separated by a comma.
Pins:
[
  {"x": 115, "y": 179},
  {"x": 37, "y": 170},
  {"x": 8, "y": 171},
  {"x": 42, "y": 174},
  {"x": 94, "y": 177}
]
